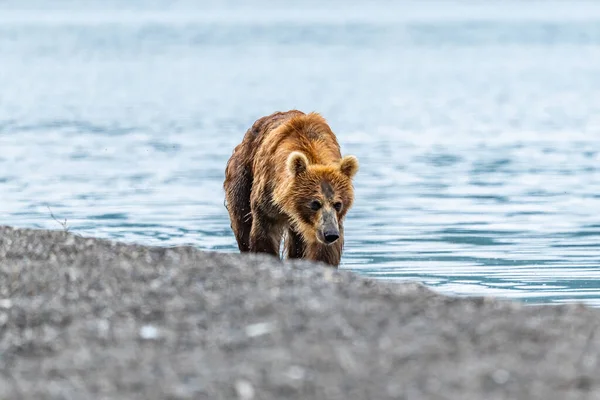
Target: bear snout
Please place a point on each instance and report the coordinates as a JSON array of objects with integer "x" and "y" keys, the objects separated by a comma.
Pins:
[{"x": 329, "y": 231}]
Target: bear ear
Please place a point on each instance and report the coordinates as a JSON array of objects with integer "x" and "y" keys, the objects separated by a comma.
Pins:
[
  {"x": 349, "y": 166},
  {"x": 297, "y": 163}
]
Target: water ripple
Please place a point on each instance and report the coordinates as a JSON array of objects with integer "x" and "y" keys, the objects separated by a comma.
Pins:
[{"x": 477, "y": 141}]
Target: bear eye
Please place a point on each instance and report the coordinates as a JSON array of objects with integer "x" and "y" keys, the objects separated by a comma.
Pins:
[
  {"x": 337, "y": 205},
  {"x": 315, "y": 205}
]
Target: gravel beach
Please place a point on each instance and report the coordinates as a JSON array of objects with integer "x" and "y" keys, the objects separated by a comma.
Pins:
[{"x": 83, "y": 318}]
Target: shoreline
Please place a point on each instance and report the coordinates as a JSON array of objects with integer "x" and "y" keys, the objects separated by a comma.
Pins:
[{"x": 92, "y": 318}]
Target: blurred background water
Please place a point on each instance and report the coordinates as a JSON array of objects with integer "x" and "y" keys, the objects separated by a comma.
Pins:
[{"x": 476, "y": 125}]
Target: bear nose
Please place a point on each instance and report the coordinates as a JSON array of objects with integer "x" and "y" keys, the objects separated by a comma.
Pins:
[{"x": 331, "y": 236}]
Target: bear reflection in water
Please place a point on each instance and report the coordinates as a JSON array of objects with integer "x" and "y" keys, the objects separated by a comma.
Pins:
[{"x": 287, "y": 178}]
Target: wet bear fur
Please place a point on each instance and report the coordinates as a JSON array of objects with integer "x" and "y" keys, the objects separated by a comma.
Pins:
[{"x": 288, "y": 180}]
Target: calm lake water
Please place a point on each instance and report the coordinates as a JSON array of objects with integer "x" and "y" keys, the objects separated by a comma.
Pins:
[{"x": 477, "y": 128}]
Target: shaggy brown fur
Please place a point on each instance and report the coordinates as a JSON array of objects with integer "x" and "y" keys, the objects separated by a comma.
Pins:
[{"x": 288, "y": 177}]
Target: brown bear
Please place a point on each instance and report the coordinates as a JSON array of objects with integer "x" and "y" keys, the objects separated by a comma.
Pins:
[{"x": 288, "y": 177}]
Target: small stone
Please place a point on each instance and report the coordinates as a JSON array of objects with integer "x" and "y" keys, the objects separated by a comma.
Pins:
[
  {"x": 3, "y": 319},
  {"x": 103, "y": 327},
  {"x": 244, "y": 389},
  {"x": 72, "y": 274},
  {"x": 296, "y": 373},
  {"x": 149, "y": 332},
  {"x": 155, "y": 284},
  {"x": 500, "y": 376},
  {"x": 259, "y": 329},
  {"x": 5, "y": 303}
]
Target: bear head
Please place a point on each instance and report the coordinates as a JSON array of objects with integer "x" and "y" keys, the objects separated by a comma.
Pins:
[{"x": 319, "y": 196}]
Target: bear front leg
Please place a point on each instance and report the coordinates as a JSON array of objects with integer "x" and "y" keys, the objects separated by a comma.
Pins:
[
  {"x": 295, "y": 246},
  {"x": 238, "y": 187},
  {"x": 264, "y": 237}
]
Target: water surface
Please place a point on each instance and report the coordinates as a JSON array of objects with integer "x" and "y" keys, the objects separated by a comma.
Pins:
[{"x": 476, "y": 127}]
